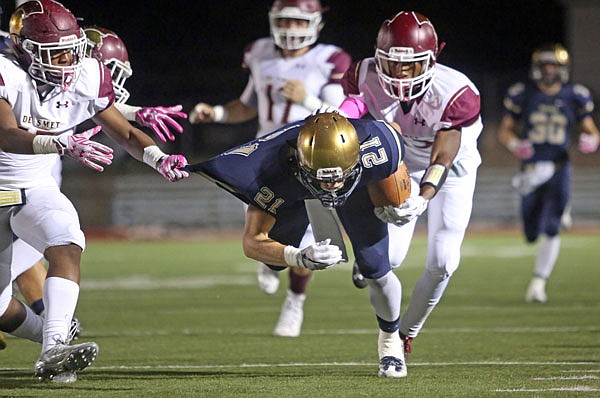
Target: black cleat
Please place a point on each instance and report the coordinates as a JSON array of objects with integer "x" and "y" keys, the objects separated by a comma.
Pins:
[{"x": 359, "y": 281}]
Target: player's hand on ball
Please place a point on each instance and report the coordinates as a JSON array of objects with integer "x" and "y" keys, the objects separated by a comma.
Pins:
[
  {"x": 319, "y": 256},
  {"x": 400, "y": 215}
]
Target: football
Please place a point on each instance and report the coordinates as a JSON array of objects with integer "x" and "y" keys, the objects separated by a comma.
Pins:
[{"x": 393, "y": 190}]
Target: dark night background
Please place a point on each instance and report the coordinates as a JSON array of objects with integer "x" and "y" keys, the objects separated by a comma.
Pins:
[{"x": 187, "y": 51}]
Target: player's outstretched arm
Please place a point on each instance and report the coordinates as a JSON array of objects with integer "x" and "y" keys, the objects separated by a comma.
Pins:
[
  {"x": 233, "y": 112},
  {"x": 141, "y": 146},
  {"x": 161, "y": 119}
]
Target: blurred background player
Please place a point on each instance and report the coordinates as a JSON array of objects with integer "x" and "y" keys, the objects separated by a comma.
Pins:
[
  {"x": 47, "y": 88},
  {"x": 107, "y": 47},
  {"x": 541, "y": 118},
  {"x": 438, "y": 111},
  {"x": 291, "y": 76}
]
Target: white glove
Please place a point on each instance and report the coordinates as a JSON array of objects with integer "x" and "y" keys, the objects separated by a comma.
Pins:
[
  {"x": 318, "y": 256},
  {"x": 528, "y": 181},
  {"x": 412, "y": 208}
]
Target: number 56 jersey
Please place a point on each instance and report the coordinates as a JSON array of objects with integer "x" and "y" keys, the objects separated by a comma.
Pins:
[{"x": 262, "y": 172}]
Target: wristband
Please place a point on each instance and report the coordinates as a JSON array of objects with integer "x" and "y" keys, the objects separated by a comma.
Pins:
[
  {"x": 312, "y": 103},
  {"x": 220, "y": 113},
  {"x": 435, "y": 175},
  {"x": 43, "y": 144},
  {"x": 129, "y": 112},
  {"x": 153, "y": 155},
  {"x": 290, "y": 255}
]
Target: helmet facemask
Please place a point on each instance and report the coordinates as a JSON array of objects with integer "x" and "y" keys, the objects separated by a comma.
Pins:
[
  {"x": 41, "y": 54},
  {"x": 295, "y": 38},
  {"x": 317, "y": 183},
  {"x": 108, "y": 48},
  {"x": 555, "y": 55},
  {"x": 120, "y": 72},
  {"x": 409, "y": 88}
]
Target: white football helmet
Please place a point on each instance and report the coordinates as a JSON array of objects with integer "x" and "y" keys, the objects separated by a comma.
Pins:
[{"x": 295, "y": 38}]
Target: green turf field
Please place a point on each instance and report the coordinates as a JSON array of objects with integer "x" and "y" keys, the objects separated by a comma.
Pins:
[{"x": 186, "y": 319}]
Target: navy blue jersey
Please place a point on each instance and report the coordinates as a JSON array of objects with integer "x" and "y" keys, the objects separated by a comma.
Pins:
[
  {"x": 261, "y": 172},
  {"x": 548, "y": 120}
]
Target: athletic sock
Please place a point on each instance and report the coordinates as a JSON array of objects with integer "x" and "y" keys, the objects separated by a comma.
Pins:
[
  {"x": 60, "y": 300},
  {"x": 547, "y": 256},
  {"x": 31, "y": 328}
]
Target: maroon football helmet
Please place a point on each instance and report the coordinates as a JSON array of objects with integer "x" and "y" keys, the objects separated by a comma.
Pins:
[
  {"x": 406, "y": 38},
  {"x": 41, "y": 30},
  {"x": 108, "y": 48},
  {"x": 296, "y": 38}
]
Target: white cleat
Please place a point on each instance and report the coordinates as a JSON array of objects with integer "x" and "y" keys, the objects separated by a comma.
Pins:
[
  {"x": 65, "y": 378},
  {"x": 390, "y": 348},
  {"x": 536, "y": 292},
  {"x": 268, "y": 280},
  {"x": 63, "y": 358},
  {"x": 392, "y": 367},
  {"x": 291, "y": 317}
]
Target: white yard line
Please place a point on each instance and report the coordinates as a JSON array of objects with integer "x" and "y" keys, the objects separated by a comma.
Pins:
[{"x": 323, "y": 364}]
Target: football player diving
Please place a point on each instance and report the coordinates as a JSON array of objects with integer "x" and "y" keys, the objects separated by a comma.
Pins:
[{"x": 333, "y": 159}]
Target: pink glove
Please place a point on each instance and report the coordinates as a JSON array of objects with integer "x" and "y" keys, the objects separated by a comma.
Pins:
[
  {"x": 588, "y": 143},
  {"x": 157, "y": 119},
  {"x": 81, "y": 148},
  {"x": 170, "y": 167},
  {"x": 521, "y": 148}
]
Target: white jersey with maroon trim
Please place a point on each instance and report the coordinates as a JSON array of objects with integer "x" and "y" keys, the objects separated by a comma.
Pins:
[
  {"x": 322, "y": 65},
  {"x": 452, "y": 101},
  {"x": 55, "y": 113}
]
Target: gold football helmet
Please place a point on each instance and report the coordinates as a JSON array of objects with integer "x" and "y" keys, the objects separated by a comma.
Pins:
[
  {"x": 328, "y": 154},
  {"x": 553, "y": 54}
]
